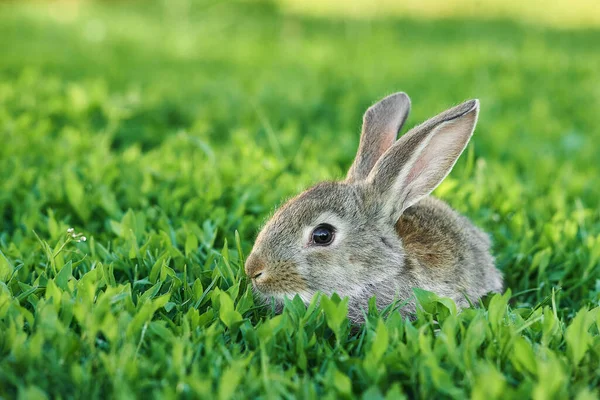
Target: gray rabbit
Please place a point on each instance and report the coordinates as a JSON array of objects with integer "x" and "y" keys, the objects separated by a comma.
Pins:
[{"x": 378, "y": 232}]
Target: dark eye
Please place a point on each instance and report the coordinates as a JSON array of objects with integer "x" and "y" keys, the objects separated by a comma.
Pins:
[{"x": 323, "y": 235}]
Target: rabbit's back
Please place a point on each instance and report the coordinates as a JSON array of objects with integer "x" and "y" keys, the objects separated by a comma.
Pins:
[{"x": 446, "y": 253}]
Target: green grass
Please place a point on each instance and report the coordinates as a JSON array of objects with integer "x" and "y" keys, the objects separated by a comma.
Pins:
[{"x": 158, "y": 132}]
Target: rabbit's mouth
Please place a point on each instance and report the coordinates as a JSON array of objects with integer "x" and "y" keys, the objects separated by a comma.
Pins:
[
  {"x": 277, "y": 297},
  {"x": 269, "y": 285},
  {"x": 273, "y": 278}
]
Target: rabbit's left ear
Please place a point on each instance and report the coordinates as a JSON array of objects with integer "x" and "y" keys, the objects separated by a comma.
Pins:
[
  {"x": 419, "y": 161},
  {"x": 381, "y": 124}
]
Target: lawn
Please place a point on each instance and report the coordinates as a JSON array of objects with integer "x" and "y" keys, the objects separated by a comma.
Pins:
[{"x": 142, "y": 145}]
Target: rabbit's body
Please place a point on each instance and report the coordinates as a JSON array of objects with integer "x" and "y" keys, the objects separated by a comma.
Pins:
[
  {"x": 441, "y": 246},
  {"x": 378, "y": 233}
]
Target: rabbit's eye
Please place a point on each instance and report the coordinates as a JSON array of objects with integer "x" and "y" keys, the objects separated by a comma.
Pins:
[{"x": 323, "y": 235}]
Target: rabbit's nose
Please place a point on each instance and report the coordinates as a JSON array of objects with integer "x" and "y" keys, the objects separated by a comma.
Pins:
[{"x": 255, "y": 266}]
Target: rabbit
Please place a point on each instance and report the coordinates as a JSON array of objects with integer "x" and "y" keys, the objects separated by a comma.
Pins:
[{"x": 379, "y": 232}]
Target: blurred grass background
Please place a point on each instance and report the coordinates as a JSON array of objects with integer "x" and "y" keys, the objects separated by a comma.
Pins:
[{"x": 170, "y": 118}]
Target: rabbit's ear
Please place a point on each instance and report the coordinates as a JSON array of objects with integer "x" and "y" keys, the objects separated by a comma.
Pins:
[
  {"x": 419, "y": 161},
  {"x": 381, "y": 124}
]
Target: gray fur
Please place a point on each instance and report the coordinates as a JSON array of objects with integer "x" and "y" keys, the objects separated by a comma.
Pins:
[{"x": 390, "y": 235}]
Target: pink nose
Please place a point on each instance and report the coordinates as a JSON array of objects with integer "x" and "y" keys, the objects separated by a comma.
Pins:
[{"x": 255, "y": 266}]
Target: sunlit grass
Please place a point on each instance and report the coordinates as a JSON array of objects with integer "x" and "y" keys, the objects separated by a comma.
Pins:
[{"x": 557, "y": 13}]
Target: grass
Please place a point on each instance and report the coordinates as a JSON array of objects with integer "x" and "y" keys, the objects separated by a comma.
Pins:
[{"x": 166, "y": 134}]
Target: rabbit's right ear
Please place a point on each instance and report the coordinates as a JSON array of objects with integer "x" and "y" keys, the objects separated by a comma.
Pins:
[
  {"x": 422, "y": 158},
  {"x": 381, "y": 124}
]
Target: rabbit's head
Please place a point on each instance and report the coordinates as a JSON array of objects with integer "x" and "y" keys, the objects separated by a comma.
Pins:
[{"x": 341, "y": 236}]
